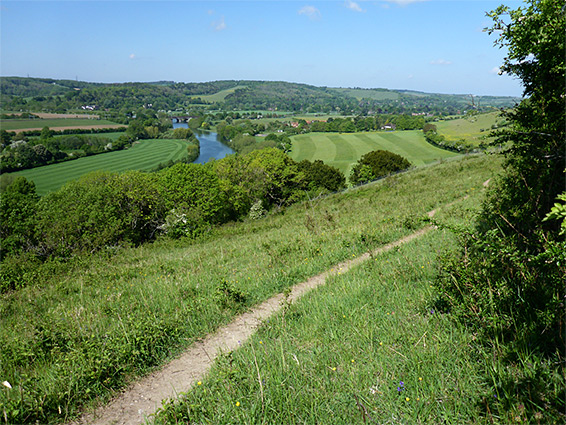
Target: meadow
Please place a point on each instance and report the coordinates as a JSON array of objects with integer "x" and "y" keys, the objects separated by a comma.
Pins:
[
  {"x": 59, "y": 123},
  {"x": 344, "y": 150},
  {"x": 474, "y": 129},
  {"x": 220, "y": 96},
  {"x": 96, "y": 323},
  {"x": 145, "y": 156},
  {"x": 375, "y": 94}
]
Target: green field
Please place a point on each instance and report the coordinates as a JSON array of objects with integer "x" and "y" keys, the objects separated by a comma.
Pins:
[
  {"x": 9, "y": 125},
  {"x": 375, "y": 94},
  {"x": 143, "y": 156},
  {"x": 474, "y": 129},
  {"x": 344, "y": 150},
  {"x": 220, "y": 96}
]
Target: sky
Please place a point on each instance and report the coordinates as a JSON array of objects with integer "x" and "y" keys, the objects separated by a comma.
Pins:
[{"x": 435, "y": 46}]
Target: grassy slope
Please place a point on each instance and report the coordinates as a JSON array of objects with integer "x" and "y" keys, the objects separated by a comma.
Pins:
[
  {"x": 344, "y": 150},
  {"x": 469, "y": 128},
  {"x": 375, "y": 94},
  {"x": 40, "y": 123},
  {"x": 340, "y": 354},
  {"x": 220, "y": 96},
  {"x": 144, "y": 156},
  {"x": 86, "y": 330}
]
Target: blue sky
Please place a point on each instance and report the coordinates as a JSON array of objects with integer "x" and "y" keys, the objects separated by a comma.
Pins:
[{"x": 432, "y": 46}]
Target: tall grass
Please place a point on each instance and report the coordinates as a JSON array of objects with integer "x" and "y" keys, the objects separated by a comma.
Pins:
[
  {"x": 365, "y": 348},
  {"x": 97, "y": 322}
]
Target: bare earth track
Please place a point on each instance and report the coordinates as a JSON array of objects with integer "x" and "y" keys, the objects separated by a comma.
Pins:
[{"x": 145, "y": 396}]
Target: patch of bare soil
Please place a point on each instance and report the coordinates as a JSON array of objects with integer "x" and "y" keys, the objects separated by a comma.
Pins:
[{"x": 145, "y": 396}]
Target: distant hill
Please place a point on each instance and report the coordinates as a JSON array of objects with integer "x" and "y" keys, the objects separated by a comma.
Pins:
[{"x": 35, "y": 94}]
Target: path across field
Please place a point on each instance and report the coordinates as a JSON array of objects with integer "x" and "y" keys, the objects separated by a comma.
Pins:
[{"x": 144, "y": 397}]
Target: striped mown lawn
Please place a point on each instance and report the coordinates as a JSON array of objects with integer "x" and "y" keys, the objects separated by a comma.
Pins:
[
  {"x": 344, "y": 150},
  {"x": 143, "y": 156}
]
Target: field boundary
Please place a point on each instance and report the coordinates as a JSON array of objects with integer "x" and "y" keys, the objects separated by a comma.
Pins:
[{"x": 145, "y": 396}]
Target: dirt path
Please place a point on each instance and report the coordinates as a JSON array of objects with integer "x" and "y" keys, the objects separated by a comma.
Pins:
[{"x": 145, "y": 396}]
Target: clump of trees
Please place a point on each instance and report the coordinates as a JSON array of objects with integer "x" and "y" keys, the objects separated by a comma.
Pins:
[
  {"x": 376, "y": 164},
  {"x": 104, "y": 210},
  {"x": 507, "y": 283}
]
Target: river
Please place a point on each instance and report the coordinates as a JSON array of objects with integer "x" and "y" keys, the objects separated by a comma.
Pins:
[{"x": 210, "y": 146}]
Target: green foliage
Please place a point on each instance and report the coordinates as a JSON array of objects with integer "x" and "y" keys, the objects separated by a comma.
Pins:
[
  {"x": 508, "y": 281},
  {"x": 558, "y": 212},
  {"x": 194, "y": 191},
  {"x": 380, "y": 162},
  {"x": 98, "y": 210},
  {"x": 18, "y": 202},
  {"x": 277, "y": 179},
  {"x": 322, "y": 176},
  {"x": 266, "y": 175}
]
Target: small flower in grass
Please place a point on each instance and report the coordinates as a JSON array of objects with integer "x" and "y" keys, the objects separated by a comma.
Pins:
[
  {"x": 407, "y": 399},
  {"x": 199, "y": 383},
  {"x": 381, "y": 343},
  {"x": 261, "y": 342},
  {"x": 7, "y": 384},
  {"x": 237, "y": 404},
  {"x": 353, "y": 361},
  {"x": 401, "y": 386},
  {"x": 420, "y": 379}
]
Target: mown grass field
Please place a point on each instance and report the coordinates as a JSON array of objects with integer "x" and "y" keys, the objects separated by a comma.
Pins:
[
  {"x": 97, "y": 322},
  {"x": 144, "y": 156},
  {"x": 344, "y": 150},
  {"x": 14, "y": 125},
  {"x": 474, "y": 129}
]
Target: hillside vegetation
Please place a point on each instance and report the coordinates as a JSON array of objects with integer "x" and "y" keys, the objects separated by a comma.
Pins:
[
  {"x": 30, "y": 94},
  {"x": 89, "y": 326}
]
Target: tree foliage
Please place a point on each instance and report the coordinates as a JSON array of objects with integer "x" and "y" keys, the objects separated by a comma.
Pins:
[
  {"x": 377, "y": 164},
  {"x": 508, "y": 282},
  {"x": 322, "y": 176}
]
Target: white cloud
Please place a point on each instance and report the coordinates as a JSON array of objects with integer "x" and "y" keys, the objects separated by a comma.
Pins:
[
  {"x": 352, "y": 5},
  {"x": 440, "y": 62},
  {"x": 132, "y": 56},
  {"x": 219, "y": 25},
  {"x": 310, "y": 11}
]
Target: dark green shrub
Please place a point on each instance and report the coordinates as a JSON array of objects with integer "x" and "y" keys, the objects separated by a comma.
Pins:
[
  {"x": 377, "y": 164},
  {"x": 18, "y": 204},
  {"x": 322, "y": 176}
]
